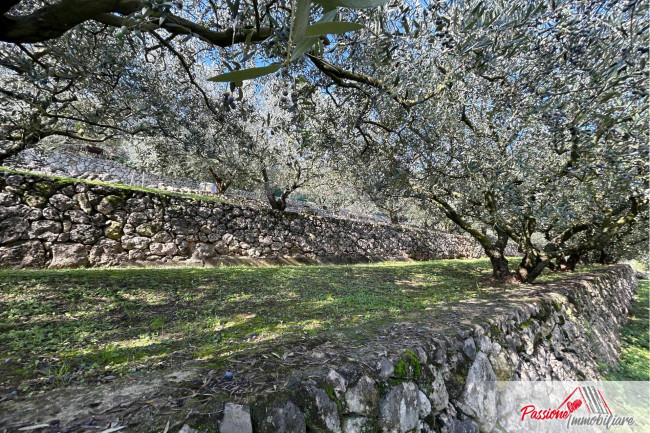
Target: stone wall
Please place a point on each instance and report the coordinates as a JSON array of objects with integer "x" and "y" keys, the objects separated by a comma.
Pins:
[
  {"x": 77, "y": 166},
  {"x": 60, "y": 223},
  {"x": 411, "y": 378},
  {"x": 435, "y": 372}
]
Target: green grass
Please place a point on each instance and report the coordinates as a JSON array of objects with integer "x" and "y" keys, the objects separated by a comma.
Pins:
[
  {"x": 62, "y": 326},
  {"x": 116, "y": 185},
  {"x": 635, "y": 350},
  {"x": 85, "y": 322}
]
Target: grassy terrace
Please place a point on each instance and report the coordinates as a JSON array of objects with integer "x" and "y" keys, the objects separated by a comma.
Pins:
[
  {"x": 69, "y": 180},
  {"x": 60, "y": 326}
]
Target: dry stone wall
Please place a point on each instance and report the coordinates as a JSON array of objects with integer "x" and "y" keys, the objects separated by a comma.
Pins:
[
  {"x": 429, "y": 373},
  {"x": 61, "y": 223},
  {"x": 89, "y": 168},
  {"x": 415, "y": 380}
]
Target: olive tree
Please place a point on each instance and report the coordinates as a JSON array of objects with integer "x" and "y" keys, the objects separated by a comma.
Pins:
[
  {"x": 529, "y": 122},
  {"x": 285, "y": 141},
  {"x": 75, "y": 87},
  {"x": 76, "y": 67}
]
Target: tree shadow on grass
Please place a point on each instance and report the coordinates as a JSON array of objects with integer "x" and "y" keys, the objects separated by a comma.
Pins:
[{"x": 113, "y": 316}]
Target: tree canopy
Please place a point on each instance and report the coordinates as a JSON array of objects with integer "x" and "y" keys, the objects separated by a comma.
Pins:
[{"x": 521, "y": 121}]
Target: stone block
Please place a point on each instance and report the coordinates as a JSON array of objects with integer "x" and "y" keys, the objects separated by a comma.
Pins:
[{"x": 69, "y": 256}]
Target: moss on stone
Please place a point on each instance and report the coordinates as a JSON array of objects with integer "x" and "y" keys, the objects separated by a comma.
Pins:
[
  {"x": 526, "y": 324},
  {"x": 401, "y": 370},
  {"x": 34, "y": 199},
  {"x": 589, "y": 332},
  {"x": 115, "y": 200},
  {"x": 62, "y": 183},
  {"x": 113, "y": 230},
  {"x": 503, "y": 375},
  {"x": 382, "y": 388},
  {"x": 146, "y": 229},
  {"x": 455, "y": 383},
  {"x": 463, "y": 369},
  {"x": 495, "y": 331},
  {"x": 408, "y": 367},
  {"x": 46, "y": 189},
  {"x": 426, "y": 387},
  {"x": 329, "y": 389}
]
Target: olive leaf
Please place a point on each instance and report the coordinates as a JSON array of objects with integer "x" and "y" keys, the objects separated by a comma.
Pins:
[
  {"x": 246, "y": 74},
  {"x": 308, "y": 42},
  {"x": 301, "y": 19},
  {"x": 335, "y": 27},
  {"x": 303, "y": 46},
  {"x": 353, "y": 4}
]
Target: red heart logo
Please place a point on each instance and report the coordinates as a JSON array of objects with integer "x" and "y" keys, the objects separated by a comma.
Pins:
[{"x": 573, "y": 405}]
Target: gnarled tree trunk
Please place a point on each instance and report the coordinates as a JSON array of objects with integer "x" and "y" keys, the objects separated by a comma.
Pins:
[
  {"x": 572, "y": 261},
  {"x": 497, "y": 255},
  {"x": 534, "y": 261},
  {"x": 494, "y": 250},
  {"x": 531, "y": 266},
  {"x": 499, "y": 265},
  {"x": 604, "y": 258},
  {"x": 277, "y": 203},
  {"x": 221, "y": 183}
]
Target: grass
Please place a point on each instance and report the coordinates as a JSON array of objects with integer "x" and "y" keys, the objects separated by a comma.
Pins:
[
  {"x": 64, "y": 326},
  {"x": 116, "y": 185},
  {"x": 635, "y": 350},
  {"x": 55, "y": 324}
]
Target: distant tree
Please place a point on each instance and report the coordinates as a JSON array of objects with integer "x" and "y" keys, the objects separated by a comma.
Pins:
[
  {"x": 384, "y": 183},
  {"x": 285, "y": 142}
]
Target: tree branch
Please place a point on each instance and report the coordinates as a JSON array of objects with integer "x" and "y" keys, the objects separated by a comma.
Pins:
[
  {"x": 186, "y": 67},
  {"x": 339, "y": 75},
  {"x": 54, "y": 20},
  {"x": 181, "y": 26}
]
